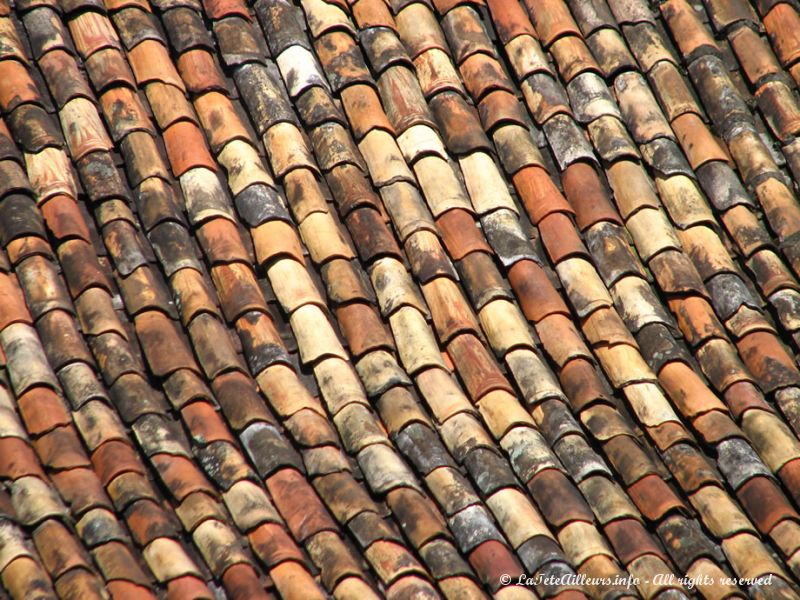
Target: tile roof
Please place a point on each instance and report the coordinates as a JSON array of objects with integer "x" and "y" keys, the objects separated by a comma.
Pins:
[{"x": 399, "y": 299}]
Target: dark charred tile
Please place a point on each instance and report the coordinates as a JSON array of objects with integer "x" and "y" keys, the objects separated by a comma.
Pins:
[{"x": 136, "y": 26}]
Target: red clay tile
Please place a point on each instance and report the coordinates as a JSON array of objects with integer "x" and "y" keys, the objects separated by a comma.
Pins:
[
  {"x": 691, "y": 35},
  {"x": 297, "y": 503},
  {"x": 166, "y": 350},
  {"x": 205, "y": 424},
  {"x": 150, "y": 62},
  {"x": 59, "y": 550},
  {"x": 18, "y": 459},
  {"x": 218, "y": 9},
  {"x": 744, "y": 396},
  {"x": 200, "y": 71},
  {"x": 768, "y": 360},
  {"x": 461, "y": 236},
  {"x": 372, "y": 13},
  {"x": 114, "y": 458},
  {"x": 61, "y": 449},
  {"x": 242, "y": 583},
  {"x": 538, "y": 193},
  {"x": 186, "y": 148},
  {"x": 558, "y": 500},
  {"x": 483, "y": 74},
  {"x": 494, "y": 561},
  {"x": 782, "y": 23},
  {"x": 500, "y": 107},
  {"x": 510, "y": 19},
  {"x": 654, "y": 498},
  {"x": 697, "y": 141},
  {"x": 560, "y": 238},
  {"x": 188, "y": 586},
  {"x": 81, "y": 490},
  {"x": 754, "y": 54},
  {"x": 273, "y": 545},
  {"x": 20, "y": 88},
  {"x": 552, "y": 20},
  {"x": 363, "y": 108},
  {"x": 765, "y": 503},
  {"x": 631, "y": 540},
  {"x": 180, "y": 475},
  {"x": 91, "y": 32},
  {"x": 363, "y": 329},
  {"x": 476, "y": 367},
  {"x": 42, "y": 410}
]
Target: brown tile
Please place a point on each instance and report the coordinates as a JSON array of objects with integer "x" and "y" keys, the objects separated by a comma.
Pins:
[
  {"x": 164, "y": 347},
  {"x": 188, "y": 586},
  {"x": 363, "y": 329},
  {"x": 273, "y": 545},
  {"x": 370, "y": 13},
  {"x": 186, "y": 148},
  {"x": 20, "y": 87},
  {"x": 552, "y": 20},
  {"x": 460, "y": 234},
  {"x": 765, "y": 503},
  {"x": 62, "y": 340},
  {"x": 200, "y": 72},
  {"x": 59, "y": 549},
  {"x": 539, "y": 194},
  {"x": 558, "y": 500},
  {"x": 117, "y": 562},
  {"x": 782, "y": 27},
  {"x": 363, "y": 108},
  {"x": 768, "y": 360},
  {"x": 217, "y": 9},
  {"x": 754, "y": 54},
  {"x": 654, "y": 498},
  {"x": 114, "y": 458},
  {"x": 500, "y": 107},
  {"x": 304, "y": 518},
  {"x": 81, "y": 490},
  {"x": 221, "y": 242},
  {"x": 780, "y": 106},
  {"x": 492, "y": 560},
  {"x": 108, "y": 68},
  {"x": 610, "y": 51},
  {"x": 477, "y": 368},
  {"x": 180, "y": 475},
  {"x": 92, "y": 31},
  {"x": 150, "y": 62},
  {"x": 243, "y": 582},
  {"x": 61, "y": 449},
  {"x": 510, "y": 19},
  {"x": 482, "y": 74},
  {"x": 573, "y": 57},
  {"x": 560, "y": 238},
  {"x": 375, "y": 237},
  {"x": 220, "y": 119},
  {"x": 23, "y": 575},
  {"x": 341, "y": 59},
  {"x": 692, "y": 37},
  {"x": 459, "y": 124},
  {"x": 537, "y": 296},
  {"x": 697, "y": 141},
  {"x": 293, "y": 580}
]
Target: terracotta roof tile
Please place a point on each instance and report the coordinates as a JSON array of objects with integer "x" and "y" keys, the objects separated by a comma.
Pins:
[{"x": 395, "y": 155}]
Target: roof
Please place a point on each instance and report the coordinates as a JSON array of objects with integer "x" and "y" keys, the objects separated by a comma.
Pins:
[{"x": 399, "y": 300}]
